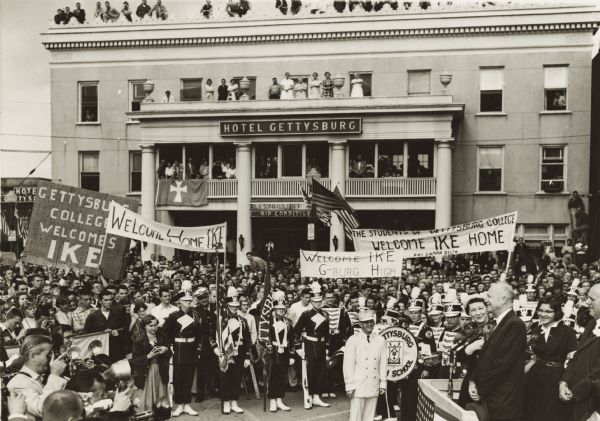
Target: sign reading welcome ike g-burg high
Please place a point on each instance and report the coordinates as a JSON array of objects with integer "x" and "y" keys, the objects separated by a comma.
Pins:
[{"x": 67, "y": 229}]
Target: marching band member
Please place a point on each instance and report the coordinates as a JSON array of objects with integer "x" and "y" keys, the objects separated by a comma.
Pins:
[
  {"x": 207, "y": 369},
  {"x": 436, "y": 318},
  {"x": 312, "y": 331},
  {"x": 340, "y": 329},
  {"x": 427, "y": 349},
  {"x": 365, "y": 368},
  {"x": 280, "y": 347},
  {"x": 181, "y": 328},
  {"x": 235, "y": 354}
]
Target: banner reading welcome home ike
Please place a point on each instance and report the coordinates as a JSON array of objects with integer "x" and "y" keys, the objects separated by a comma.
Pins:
[
  {"x": 368, "y": 264},
  {"x": 121, "y": 221},
  {"x": 490, "y": 234}
]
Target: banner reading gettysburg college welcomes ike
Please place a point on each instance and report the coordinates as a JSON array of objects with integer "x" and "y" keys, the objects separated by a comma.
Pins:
[
  {"x": 368, "y": 264},
  {"x": 67, "y": 230},
  {"x": 121, "y": 221},
  {"x": 490, "y": 234}
]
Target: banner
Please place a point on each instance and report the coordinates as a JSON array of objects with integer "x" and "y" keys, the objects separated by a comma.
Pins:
[
  {"x": 97, "y": 341},
  {"x": 182, "y": 193},
  {"x": 490, "y": 234},
  {"x": 368, "y": 264},
  {"x": 125, "y": 223},
  {"x": 67, "y": 230}
]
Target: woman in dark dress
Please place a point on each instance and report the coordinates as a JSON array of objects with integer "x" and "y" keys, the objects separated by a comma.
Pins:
[
  {"x": 150, "y": 363},
  {"x": 550, "y": 342},
  {"x": 475, "y": 334}
]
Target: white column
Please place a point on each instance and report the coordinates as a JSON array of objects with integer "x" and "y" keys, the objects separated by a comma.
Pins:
[
  {"x": 244, "y": 195},
  {"x": 443, "y": 194},
  {"x": 148, "y": 191},
  {"x": 338, "y": 173}
]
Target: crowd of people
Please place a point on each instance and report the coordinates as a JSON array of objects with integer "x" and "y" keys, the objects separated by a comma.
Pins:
[
  {"x": 109, "y": 13},
  {"x": 222, "y": 169},
  {"x": 508, "y": 333}
]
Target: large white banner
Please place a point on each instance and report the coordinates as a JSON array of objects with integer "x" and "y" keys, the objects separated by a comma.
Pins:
[
  {"x": 490, "y": 234},
  {"x": 126, "y": 223},
  {"x": 367, "y": 264}
]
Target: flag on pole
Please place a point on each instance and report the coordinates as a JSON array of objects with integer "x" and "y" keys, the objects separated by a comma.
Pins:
[
  {"x": 23, "y": 227},
  {"x": 265, "y": 311},
  {"x": 325, "y": 199},
  {"x": 348, "y": 219},
  {"x": 322, "y": 215},
  {"x": 5, "y": 227}
]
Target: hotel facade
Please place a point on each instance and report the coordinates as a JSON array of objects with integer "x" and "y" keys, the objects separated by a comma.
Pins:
[{"x": 468, "y": 110}]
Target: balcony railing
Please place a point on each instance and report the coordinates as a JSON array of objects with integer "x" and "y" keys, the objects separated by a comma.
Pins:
[
  {"x": 390, "y": 187},
  {"x": 289, "y": 188}
]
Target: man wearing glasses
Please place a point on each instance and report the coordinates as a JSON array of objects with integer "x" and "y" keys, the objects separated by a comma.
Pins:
[{"x": 366, "y": 353}]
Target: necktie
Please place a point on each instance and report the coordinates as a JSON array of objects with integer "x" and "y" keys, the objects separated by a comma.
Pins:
[{"x": 369, "y": 338}]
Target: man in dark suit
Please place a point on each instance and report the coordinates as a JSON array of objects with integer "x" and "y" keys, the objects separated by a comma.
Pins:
[
  {"x": 579, "y": 384},
  {"x": 498, "y": 378},
  {"x": 109, "y": 318}
]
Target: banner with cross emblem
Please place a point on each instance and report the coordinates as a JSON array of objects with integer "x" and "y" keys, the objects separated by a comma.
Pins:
[{"x": 182, "y": 193}]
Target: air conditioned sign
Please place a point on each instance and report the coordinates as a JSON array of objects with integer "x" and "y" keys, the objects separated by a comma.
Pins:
[{"x": 311, "y": 126}]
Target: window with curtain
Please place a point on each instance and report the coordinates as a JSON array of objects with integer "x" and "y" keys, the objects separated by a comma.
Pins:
[
  {"x": 490, "y": 165},
  {"x": 491, "y": 86},
  {"x": 419, "y": 82},
  {"x": 89, "y": 170},
  {"x": 556, "y": 80}
]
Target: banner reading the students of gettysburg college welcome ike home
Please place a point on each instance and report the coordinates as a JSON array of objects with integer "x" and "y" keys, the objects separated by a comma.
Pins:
[
  {"x": 490, "y": 234},
  {"x": 367, "y": 264},
  {"x": 125, "y": 223}
]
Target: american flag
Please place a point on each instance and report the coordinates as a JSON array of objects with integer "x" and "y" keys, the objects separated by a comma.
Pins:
[
  {"x": 425, "y": 407},
  {"x": 322, "y": 215},
  {"x": 325, "y": 199},
  {"x": 23, "y": 227},
  {"x": 5, "y": 227},
  {"x": 348, "y": 219}
]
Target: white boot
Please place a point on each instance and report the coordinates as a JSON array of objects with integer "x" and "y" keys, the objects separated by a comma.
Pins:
[
  {"x": 188, "y": 410},
  {"x": 227, "y": 407},
  {"x": 281, "y": 405},
  {"x": 177, "y": 411},
  {"x": 273, "y": 405},
  {"x": 317, "y": 401},
  {"x": 235, "y": 408}
]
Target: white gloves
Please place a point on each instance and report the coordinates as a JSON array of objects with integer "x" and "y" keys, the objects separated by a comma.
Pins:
[
  {"x": 292, "y": 361},
  {"x": 246, "y": 363}
]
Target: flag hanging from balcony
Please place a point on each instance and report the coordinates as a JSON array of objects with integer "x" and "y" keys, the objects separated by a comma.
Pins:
[
  {"x": 348, "y": 219},
  {"x": 5, "y": 226},
  {"x": 182, "y": 193},
  {"x": 323, "y": 216},
  {"x": 325, "y": 199}
]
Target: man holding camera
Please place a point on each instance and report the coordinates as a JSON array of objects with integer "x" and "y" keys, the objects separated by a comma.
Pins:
[{"x": 28, "y": 382}]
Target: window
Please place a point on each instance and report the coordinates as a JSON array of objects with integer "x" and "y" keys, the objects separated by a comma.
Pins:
[
  {"x": 556, "y": 80},
  {"x": 490, "y": 164},
  {"x": 419, "y": 82},
  {"x": 191, "y": 90},
  {"x": 135, "y": 171},
  {"x": 265, "y": 165},
  {"x": 136, "y": 94},
  {"x": 291, "y": 160},
  {"x": 420, "y": 159},
  {"x": 362, "y": 158},
  {"x": 390, "y": 160},
  {"x": 491, "y": 84},
  {"x": 251, "y": 90},
  {"x": 366, "y": 82},
  {"x": 88, "y": 102},
  {"x": 89, "y": 170},
  {"x": 317, "y": 159},
  {"x": 553, "y": 169}
]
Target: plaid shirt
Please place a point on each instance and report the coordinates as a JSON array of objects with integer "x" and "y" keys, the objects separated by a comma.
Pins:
[{"x": 79, "y": 317}]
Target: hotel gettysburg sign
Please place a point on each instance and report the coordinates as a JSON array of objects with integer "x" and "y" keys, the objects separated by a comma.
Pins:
[{"x": 311, "y": 126}]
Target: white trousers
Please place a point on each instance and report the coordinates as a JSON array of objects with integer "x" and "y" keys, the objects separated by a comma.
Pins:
[{"x": 363, "y": 409}]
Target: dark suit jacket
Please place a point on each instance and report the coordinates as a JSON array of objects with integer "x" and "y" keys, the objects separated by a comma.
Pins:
[
  {"x": 583, "y": 374},
  {"x": 117, "y": 320},
  {"x": 499, "y": 373},
  {"x": 140, "y": 364}
]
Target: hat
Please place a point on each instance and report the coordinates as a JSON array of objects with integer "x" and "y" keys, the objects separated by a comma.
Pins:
[
  {"x": 416, "y": 304},
  {"x": 436, "y": 309},
  {"x": 315, "y": 292},
  {"x": 530, "y": 288},
  {"x": 183, "y": 295},
  {"x": 278, "y": 299},
  {"x": 186, "y": 286},
  {"x": 526, "y": 314},
  {"x": 365, "y": 315},
  {"x": 452, "y": 310},
  {"x": 232, "y": 297},
  {"x": 392, "y": 313},
  {"x": 201, "y": 292}
]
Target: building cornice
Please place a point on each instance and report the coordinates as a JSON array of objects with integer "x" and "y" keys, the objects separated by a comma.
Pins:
[{"x": 192, "y": 41}]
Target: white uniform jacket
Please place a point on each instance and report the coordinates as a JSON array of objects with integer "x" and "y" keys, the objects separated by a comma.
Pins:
[{"x": 365, "y": 365}]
